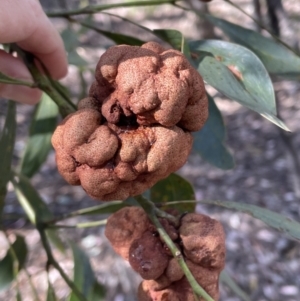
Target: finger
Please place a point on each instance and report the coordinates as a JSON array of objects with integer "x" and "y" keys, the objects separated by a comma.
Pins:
[
  {"x": 33, "y": 32},
  {"x": 14, "y": 67},
  {"x": 20, "y": 93}
]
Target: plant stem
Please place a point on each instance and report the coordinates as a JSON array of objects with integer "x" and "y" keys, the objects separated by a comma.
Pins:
[
  {"x": 54, "y": 263},
  {"x": 44, "y": 84},
  {"x": 171, "y": 218},
  {"x": 13, "y": 81},
  {"x": 129, "y": 21},
  {"x": 150, "y": 209},
  {"x": 98, "y": 8}
]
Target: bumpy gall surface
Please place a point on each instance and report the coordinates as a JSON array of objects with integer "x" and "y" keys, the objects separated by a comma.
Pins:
[
  {"x": 203, "y": 240},
  {"x": 134, "y": 127},
  {"x": 147, "y": 256},
  {"x": 200, "y": 239},
  {"x": 208, "y": 278},
  {"x": 124, "y": 227}
]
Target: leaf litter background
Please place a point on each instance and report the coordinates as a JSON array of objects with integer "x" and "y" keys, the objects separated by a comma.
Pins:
[{"x": 264, "y": 262}]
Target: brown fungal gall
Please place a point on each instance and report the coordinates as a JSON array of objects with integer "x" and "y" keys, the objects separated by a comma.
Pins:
[
  {"x": 203, "y": 240},
  {"x": 146, "y": 292},
  {"x": 208, "y": 278},
  {"x": 147, "y": 256},
  {"x": 134, "y": 237},
  {"x": 169, "y": 228},
  {"x": 134, "y": 127},
  {"x": 155, "y": 85},
  {"x": 173, "y": 271},
  {"x": 177, "y": 291},
  {"x": 124, "y": 227},
  {"x": 181, "y": 290}
]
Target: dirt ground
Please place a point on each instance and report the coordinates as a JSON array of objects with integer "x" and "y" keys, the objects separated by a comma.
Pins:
[{"x": 265, "y": 263}]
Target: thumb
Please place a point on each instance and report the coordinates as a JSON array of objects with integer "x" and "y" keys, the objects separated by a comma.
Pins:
[{"x": 15, "y": 68}]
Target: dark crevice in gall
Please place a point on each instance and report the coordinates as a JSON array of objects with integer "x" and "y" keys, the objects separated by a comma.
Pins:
[
  {"x": 110, "y": 165},
  {"x": 76, "y": 162},
  {"x": 128, "y": 122},
  {"x": 115, "y": 108}
]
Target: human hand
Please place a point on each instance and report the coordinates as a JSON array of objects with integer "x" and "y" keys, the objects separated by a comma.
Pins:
[{"x": 24, "y": 22}]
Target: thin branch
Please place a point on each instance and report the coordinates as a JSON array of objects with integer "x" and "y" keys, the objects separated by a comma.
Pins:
[
  {"x": 54, "y": 263},
  {"x": 79, "y": 225},
  {"x": 108, "y": 34},
  {"x": 99, "y": 209},
  {"x": 13, "y": 81},
  {"x": 149, "y": 207},
  {"x": 171, "y": 218},
  {"x": 97, "y": 8},
  {"x": 129, "y": 21},
  {"x": 44, "y": 84},
  {"x": 56, "y": 85}
]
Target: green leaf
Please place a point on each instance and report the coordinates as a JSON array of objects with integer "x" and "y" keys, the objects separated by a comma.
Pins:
[
  {"x": 71, "y": 42},
  {"x": 20, "y": 249},
  {"x": 98, "y": 292},
  {"x": 174, "y": 38},
  {"x": 84, "y": 277},
  {"x": 39, "y": 142},
  {"x": 209, "y": 140},
  {"x": 33, "y": 205},
  {"x": 238, "y": 73},
  {"x": 70, "y": 39},
  {"x": 105, "y": 208},
  {"x": 18, "y": 296},
  {"x": 278, "y": 59},
  {"x": 29, "y": 199},
  {"x": 7, "y": 264},
  {"x": 7, "y": 141},
  {"x": 56, "y": 240},
  {"x": 51, "y": 293},
  {"x": 273, "y": 219},
  {"x": 6, "y": 271},
  {"x": 75, "y": 59},
  {"x": 173, "y": 188},
  {"x": 226, "y": 279}
]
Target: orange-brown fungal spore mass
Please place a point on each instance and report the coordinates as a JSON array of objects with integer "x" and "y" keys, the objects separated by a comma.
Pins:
[
  {"x": 200, "y": 239},
  {"x": 147, "y": 256},
  {"x": 203, "y": 240},
  {"x": 134, "y": 127},
  {"x": 124, "y": 227}
]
